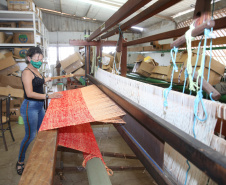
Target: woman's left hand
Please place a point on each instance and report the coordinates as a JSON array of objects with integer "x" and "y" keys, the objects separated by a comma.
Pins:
[{"x": 48, "y": 79}]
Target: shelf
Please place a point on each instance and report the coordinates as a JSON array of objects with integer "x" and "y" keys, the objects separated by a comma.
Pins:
[
  {"x": 15, "y": 45},
  {"x": 16, "y": 29},
  {"x": 16, "y": 15}
]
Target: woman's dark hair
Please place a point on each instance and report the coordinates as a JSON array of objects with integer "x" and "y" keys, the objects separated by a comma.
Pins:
[{"x": 31, "y": 52}]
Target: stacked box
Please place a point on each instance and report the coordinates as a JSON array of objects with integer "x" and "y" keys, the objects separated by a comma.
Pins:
[{"x": 21, "y": 5}]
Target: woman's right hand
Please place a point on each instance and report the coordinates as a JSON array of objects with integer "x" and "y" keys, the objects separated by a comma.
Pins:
[{"x": 55, "y": 95}]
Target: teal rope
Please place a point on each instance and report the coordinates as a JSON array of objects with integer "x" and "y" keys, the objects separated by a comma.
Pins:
[{"x": 166, "y": 91}]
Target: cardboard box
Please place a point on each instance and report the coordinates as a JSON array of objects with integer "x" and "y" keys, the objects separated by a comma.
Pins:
[
  {"x": 216, "y": 71},
  {"x": 5, "y": 91},
  {"x": 14, "y": 113},
  {"x": 160, "y": 72},
  {"x": 140, "y": 58},
  {"x": 78, "y": 73},
  {"x": 21, "y": 5},
  {"x": 14, "y": 103},
  {"x": 2, "y": 37},
  {"x": 72, "y": 63},
  {"x": 5, "y": 53},
  {"x": 27, "y": 24},
  {"x": 20, "y": 52},
  {"x": 7, "y": 62},
  {"x": 145, "y": 69},
  {"x": 107, "y": 59},
  {"x": 12, "y": 81},
  {"x": 23, "y": 37},
  {"x": 8, "y": 24},
  {"x": 9, "y": 70}
]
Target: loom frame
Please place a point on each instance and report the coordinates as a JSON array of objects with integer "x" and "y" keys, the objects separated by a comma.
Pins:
[{"x": 211, "y": 162}]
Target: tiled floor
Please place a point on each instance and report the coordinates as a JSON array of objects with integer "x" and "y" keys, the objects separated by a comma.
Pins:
[{"x": 108, "y": 140}]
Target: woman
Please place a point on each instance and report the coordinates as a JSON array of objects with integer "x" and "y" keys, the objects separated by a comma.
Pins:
[{"x": 32, "y": 108}]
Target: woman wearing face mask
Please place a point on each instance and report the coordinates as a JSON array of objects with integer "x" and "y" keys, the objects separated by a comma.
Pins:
[{"x": 32, "y": 108}]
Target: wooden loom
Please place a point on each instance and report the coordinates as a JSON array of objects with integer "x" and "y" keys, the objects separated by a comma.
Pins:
[{"x": 140, "y": 119}]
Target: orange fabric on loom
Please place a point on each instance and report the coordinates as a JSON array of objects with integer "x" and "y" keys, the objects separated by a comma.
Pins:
[
  {"x": 69, "y": 110},
  {"x": 71, "y": 116},
  {"x": 80, "y": 137}
]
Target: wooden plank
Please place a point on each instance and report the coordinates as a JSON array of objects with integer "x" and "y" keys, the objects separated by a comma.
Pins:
[
  {"x": 126, "y": 10},
  {"x": 40, "y": 167},
  {"x": 147, "y": 13}
]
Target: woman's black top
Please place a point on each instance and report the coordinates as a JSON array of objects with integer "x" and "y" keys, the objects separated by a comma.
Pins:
[{"x": 37, "y": 84}]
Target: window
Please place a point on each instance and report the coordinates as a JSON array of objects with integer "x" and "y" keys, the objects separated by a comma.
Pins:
[{"x": 64, "y": 52}]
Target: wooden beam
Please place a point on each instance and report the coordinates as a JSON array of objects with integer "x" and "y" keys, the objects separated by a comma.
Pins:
[
  {"x": 147, "y": 13},
  {"x": 92, "y": 43},
  {"x": 126, "y": 10},
  {"x": 219, "y": 24},
  {"x": 40, "y": 166},
  {"x": 202, "y": 11},
  {"x": 195, "y": 43}
]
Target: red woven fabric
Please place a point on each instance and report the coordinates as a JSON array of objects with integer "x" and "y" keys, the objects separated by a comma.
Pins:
[
  {"x": 80, "y": 137},
  {"x": 69, "y": 110},
  {"x": 71, "y": 115}
]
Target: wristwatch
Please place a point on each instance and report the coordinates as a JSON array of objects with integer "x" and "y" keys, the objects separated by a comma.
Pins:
[{"x": 47, "y": 96}]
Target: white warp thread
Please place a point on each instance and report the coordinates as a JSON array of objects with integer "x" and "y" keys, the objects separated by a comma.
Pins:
[{"x": 179, "y": 113}]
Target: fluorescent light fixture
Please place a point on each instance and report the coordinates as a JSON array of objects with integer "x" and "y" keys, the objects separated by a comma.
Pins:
[
  {"x": 104, "y": 5},
  {"x": 137, "y": 28}
]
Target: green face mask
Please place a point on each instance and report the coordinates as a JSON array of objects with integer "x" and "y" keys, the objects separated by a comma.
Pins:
[{"x": 36, "y": 64}]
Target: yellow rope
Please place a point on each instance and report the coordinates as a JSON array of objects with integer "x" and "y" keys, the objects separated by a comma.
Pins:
[{"x": 189, "y": 39}]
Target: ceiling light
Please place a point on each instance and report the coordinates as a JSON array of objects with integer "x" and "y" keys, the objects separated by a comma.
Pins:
[
  {"x": 137, "y": 28},
  {"x": 112, "y": 7}
]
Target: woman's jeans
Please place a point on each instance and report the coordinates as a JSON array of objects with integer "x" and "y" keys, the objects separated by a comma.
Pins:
[{"x": 33, "y": 113}]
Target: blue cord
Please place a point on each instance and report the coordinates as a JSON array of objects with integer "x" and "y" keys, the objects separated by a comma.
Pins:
[
  {"x": 211, "y": 96},
  {"x": 175, "y": 68},
  {"x": 187, "y": 172}
]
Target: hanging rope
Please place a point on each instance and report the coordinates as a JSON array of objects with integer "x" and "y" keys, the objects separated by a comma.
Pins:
[
  {"x": 185, "y": 78},
  {"x": 115, "y": 69},
  {"x": 94, "y": 60},
  {"x": 175, "y": 68},
  {"x": 189, "y": 39}
]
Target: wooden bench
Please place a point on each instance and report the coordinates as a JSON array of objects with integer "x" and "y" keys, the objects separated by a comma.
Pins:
[{"x": 40, "y": 166}]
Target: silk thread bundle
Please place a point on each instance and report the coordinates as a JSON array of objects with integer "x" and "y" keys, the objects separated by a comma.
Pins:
[
  {"x": 179, "y": 113},
  {"x": 72, "y": 114}
]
